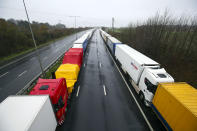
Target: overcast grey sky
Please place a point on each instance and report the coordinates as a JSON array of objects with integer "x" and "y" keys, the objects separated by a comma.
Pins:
[{"x": 94, "y": 12}]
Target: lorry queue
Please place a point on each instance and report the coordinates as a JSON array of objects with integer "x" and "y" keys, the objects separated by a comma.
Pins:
[
  {"x": 175, "y": 103},
  {"x": 45, "y": 107}
]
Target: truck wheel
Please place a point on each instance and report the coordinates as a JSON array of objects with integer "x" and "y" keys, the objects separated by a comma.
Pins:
[{"x": 142, "y": 98}]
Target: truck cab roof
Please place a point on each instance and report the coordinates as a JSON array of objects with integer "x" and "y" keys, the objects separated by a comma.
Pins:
[
  {"x": 82, "y": 39},
  {"x": 52, "y": 87},
  {"x": 159, "y": 76}
]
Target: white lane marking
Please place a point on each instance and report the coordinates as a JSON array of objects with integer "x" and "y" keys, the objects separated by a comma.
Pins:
[
  {"x": 78, "y": 91},
  {"x": 4, "y": 74},
  {"x": 22, "y": 73},
  {"x": 100, "y": 64},
  {"x": 84, "y": 65},
  {"x": 145, "y": 118},
  {"x": 16, "y": 60},
  {"x": 105, "y": 93}
]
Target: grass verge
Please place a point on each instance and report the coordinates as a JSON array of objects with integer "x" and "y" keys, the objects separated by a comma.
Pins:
[
  {"x": 3, "y": 60},
  {"x": 53, "y": 69}
]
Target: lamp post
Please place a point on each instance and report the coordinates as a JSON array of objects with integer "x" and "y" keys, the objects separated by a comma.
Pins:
[
  {"x": 75, "y": 24},
  {"x": 34, "y": 41},
  {"x": 113, "y": 24}
]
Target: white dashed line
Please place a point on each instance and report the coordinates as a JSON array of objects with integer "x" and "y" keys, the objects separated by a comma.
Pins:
[
  {"x": 78, "y": 91},
  {"x": 22, "y": 73},
  {"x": 4, "y": 74},
  {"x": 105, "y": 93},
  {"x": 100, "y": 64},
  {"x": 84, "y": 65}
]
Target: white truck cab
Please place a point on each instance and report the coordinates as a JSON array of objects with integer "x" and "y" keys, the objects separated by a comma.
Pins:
[
  {"x": 149, "y": 81},
  {"x": 144, "y": 73}
]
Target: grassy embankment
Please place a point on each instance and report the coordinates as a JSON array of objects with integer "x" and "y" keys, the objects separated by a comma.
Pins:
[
  {"x": 15, "y": 55},
  {"x": 53, "y": 69}
]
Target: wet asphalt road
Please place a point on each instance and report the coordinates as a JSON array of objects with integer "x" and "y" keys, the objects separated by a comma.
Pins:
[
  {"x": 15, "y": 76},
  {"x": 101, "y": 100}
]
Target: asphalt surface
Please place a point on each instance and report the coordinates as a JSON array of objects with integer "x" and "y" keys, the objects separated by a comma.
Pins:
[
  {"x": 15, "y": 76},
  {"x": 101, "y": 101}
]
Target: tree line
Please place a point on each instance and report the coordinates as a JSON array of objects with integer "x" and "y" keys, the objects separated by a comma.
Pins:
[
  {"x": 15, "y": 35},
  {"x": 170, "y": 41}
]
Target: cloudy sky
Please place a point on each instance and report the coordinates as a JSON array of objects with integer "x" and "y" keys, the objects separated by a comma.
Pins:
[{"x": 94, "y": 12}]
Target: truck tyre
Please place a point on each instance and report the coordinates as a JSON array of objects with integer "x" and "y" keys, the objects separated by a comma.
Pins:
[{"x": 142, "y": 98}]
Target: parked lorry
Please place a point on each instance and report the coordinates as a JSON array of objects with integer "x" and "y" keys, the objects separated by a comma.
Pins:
[
  {"x": 27, "y": 113},
  {"x": 84, "y": 40},
  {"x": 104, "y": 35},
  {"x": 70, "y": 73},
  {"x": 176, "y": 106},
  {"x": 73, "y": 57},
  {"x": 57, "y": 90},
  {"x": 77, "y": 46},
  {"x": 144, "y": 73},
  {"x": 111, "y": 43}
]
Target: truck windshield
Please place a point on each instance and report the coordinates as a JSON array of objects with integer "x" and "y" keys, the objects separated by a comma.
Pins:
[
  {"x": 162, "y": 75},
  {"x": 150, "y": 87}
]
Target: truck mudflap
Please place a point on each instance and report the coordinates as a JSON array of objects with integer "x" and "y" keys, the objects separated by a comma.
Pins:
[{"x": 164, "y": 122}]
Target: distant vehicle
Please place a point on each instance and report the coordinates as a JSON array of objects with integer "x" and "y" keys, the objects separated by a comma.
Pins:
[
  {"x": 27, "y": 113},
  {"x": 104, "y": 35},
  {"x": 176, "y": 106},
  {"x": 57, "y": 90},
  {"x": 84, "y": 40},
  {"x": 112, "y": 42},
  {"x": 77, "y": 46},
  {"x": 145, "y": 74}
]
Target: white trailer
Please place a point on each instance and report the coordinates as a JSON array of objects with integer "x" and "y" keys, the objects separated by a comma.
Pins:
[
  {"x": 83, "y": 40},
  {"x": 104, "y": 35},
  {"x": 144, "y": 73},
  {"x": 27, "y": 113},
  {"x": 77, "y": 46},
  {"x": 112, "y": 42}
]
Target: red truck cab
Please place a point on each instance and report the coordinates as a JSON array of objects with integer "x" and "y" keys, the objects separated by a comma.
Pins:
[{"x": 57, "y": 90}]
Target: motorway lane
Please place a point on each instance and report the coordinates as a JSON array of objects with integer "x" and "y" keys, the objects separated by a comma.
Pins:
[
  {"x": 102, "y": 101},
  {"x": 15, "y": 76}
]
